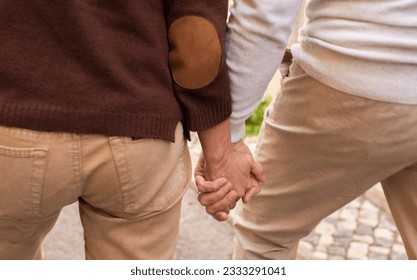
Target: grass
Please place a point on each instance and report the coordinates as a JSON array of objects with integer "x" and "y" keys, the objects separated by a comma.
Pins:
[{"x": 253, "y": 124}]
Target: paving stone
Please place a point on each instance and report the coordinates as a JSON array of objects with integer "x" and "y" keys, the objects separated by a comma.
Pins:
[
  {"x": 325, "y": 228},
  {"x": 373, "y": 222},
  {"x": 350, "y": 214},
  {"x": 383, "y": 233},
  {"x": 367, "y": 205},
  {"x": 379, "y": 250},
  {"x": 357, "y": 251},
  {"x": 398, "y": 256},
  {"x": 384, "y": 242},
  {"x": 398, "y": 248},
  {"x": 322, "y": 247},
  {"x": 384, "y": 223},
  {"x": 368, "y": 214},
  {"x": 349, "y": 225},
  {"x": 364, "y": 229},
  {"x": 343, "y": 232},
  {"x": 342, "y": 241},
  {"x": 336, "y": 251},
  {"x": 369, "y": 239},
  {"x": 320, "y": 255},
  {"x": 326, "y": 239},
  {"x": 376, "y": 256}
]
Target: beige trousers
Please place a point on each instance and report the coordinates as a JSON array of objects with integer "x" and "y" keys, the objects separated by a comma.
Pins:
[
  {"x": 129, "y": 192},
  {"x": 320, "y": 149}
]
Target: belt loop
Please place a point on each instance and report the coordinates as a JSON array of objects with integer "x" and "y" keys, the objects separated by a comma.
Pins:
[{"x": 285, "y": 63}]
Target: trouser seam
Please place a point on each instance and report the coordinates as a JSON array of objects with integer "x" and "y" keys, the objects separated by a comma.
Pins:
[{"x": 77, "y": 167}]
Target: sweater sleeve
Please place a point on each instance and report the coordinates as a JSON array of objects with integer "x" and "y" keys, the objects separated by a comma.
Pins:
[
  {"x": 196, "y": 34},
  {"x": 257, "y": 37}
]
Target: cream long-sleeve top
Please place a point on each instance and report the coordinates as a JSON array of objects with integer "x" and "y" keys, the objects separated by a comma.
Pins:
[{"x": 364, "y": 48}]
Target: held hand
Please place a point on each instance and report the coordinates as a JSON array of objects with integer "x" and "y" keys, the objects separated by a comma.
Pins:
[
  {"x": 217, "y": 195},
  {"x": 239, "y": 167},
  {"x": 241, "y": 177}
]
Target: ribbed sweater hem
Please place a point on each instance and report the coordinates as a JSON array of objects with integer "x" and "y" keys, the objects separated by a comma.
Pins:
[{"x": 89, "y": 122}]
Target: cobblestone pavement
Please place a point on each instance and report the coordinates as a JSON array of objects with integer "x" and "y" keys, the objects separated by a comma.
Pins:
[{"x": 360, "y": 230}]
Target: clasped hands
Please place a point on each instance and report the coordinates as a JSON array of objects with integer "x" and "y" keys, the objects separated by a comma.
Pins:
[{"x": 223, "y": 181}]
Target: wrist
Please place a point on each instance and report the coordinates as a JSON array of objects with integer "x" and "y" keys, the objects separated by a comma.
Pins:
[{"x": 216, "y": 143}]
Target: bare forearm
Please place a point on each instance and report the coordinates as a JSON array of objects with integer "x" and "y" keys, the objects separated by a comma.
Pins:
[{"x": 215, "y": 142}]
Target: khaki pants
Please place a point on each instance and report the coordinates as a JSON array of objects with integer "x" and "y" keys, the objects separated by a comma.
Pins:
[
  {"x": 320, "y": 149},
  {"x": 129, "y": 192}
]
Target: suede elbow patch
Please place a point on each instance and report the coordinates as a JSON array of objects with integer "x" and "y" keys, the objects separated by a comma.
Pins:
[{"x": 195, "y": 52}]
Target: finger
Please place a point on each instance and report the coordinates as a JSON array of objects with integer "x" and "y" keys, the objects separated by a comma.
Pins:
[
  {"x": 257, "y": 171},
  {"x": 208, "y": 198},
  {"x": 221, "y": 216},
  {"x": 249, "y": 194},
  {"x": 255, "y": 189},
  {"x": 209, "y": 186},
  {"x": 223, "y": 204},
  {"x": 199, "y": 180}
]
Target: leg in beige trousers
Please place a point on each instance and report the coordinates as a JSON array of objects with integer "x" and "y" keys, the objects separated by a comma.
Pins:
[
  {"x": 129, "y": 192},
  {"x": 320, "y": 149}
]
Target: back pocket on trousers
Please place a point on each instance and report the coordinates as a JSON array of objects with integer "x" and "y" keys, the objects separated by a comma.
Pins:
[
  {"x": 22, "y": 172},
  {"x": 152, "y": 173}
]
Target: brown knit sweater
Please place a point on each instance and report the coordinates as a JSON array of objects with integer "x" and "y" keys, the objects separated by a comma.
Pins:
[{"x": 120, "y": 68}]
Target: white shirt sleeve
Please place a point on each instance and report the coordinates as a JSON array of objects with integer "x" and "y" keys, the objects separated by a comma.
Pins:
[{"x": 257, "y": 36}]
